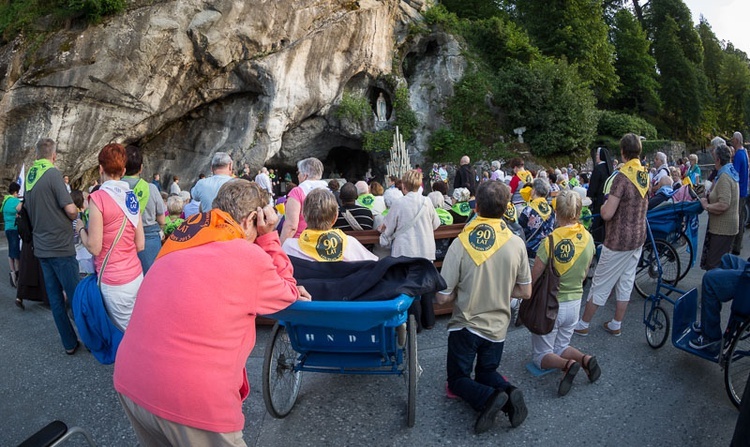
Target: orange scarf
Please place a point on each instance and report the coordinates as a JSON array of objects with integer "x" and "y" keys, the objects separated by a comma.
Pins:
[{"x": 200, "y": 229}]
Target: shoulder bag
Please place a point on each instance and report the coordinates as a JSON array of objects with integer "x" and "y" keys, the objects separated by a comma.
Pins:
[
  {"x": 539, "y": 313},
  {"x": 95, "y": 327}
]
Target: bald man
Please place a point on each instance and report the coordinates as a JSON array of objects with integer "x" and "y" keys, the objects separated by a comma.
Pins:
[{"x": 465, "y": 176}]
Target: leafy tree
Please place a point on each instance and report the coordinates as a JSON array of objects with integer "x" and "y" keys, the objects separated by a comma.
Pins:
[
  {"x": 574, "y": 30},
  {"x": 639, "y": 90},
  {"x": 679, "y": 58},
  {"x": 734, "y": 93},
  {"x": 474, "y": 9},
  {"x": 712, "y": 54},
  {"x": 549, "y": 98},
  {"x": 615, "y": 125}
]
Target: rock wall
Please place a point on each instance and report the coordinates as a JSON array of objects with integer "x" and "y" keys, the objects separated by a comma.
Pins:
[{"x": 185, "y": 79}]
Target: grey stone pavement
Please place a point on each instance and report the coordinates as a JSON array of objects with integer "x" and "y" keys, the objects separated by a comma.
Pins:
[{"x": 645, "y": 397}]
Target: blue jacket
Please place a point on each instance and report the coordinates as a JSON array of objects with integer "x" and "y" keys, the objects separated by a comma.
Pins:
[
  {"x": 740, "y": 165},
  {"x": 95, "y": 328}
]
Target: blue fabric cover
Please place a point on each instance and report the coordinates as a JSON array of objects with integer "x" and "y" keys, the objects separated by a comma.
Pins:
[{"x": 95, "y": 328}]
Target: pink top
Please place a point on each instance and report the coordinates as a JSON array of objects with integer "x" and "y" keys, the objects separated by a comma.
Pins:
[
  {"x": 193, "y": 327},
  {"x": 299, "y": 195},
  {"x": 123, "y": 265}
]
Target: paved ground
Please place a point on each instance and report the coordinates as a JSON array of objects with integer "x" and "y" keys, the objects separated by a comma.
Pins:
[{"x": 645, "y": 397}]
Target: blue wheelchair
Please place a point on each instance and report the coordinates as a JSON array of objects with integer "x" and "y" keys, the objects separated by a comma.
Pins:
[
  {"x": 339, "y": 337},
  {"x": 734, "y": 354}
]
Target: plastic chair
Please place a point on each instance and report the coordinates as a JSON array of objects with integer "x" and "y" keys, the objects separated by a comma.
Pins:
[{"x": 54, "y": 434}]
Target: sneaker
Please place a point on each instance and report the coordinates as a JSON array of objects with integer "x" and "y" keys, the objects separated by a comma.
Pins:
[
  {"x": 702, "y": 343},
  {"x": 486, "y": 419},
  {"x": 696, "y": 327},
  {"x": 615, "y": 332},
  {"x": 515, "y": 408},
  {"x": 583, "y": 332}
]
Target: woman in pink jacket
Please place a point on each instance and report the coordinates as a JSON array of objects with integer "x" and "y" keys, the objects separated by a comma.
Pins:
[{"x": 180, "y": 370}]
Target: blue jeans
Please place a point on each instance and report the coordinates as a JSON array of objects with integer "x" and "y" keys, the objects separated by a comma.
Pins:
[
  {"x": 718, "y": 287},
  {"x": 153, "y": 245},
  {"x": 463, "y": 347},
  {"x": 61, "y": 274}
]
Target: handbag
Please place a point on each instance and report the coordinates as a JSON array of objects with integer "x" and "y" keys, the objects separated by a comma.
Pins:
[
  {"x": 539, "y": 313},
  {"x": 95, "y": 327}
]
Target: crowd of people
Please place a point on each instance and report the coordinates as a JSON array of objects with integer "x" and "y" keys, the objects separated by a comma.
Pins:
[{"x": 510, "y": 226}]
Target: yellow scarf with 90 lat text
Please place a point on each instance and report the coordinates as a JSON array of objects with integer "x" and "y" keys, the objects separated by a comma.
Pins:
[
  {"x": 541, "y": 207},
  {"x": 569, "y": 243},
  {"x": 482, "y": 237},
  {"x": 323, "y": 245},
  {"x": 637, "y": 174}
]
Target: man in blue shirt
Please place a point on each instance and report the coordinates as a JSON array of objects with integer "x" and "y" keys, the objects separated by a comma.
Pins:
[
  {"x": 740, "y": 165},
  {"x": 205, "y": 190}
]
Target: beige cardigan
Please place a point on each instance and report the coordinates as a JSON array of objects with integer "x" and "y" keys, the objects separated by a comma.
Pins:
[{"x": 419, "y": 239}]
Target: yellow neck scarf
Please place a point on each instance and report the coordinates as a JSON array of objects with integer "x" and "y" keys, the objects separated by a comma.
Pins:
[
  {"x": 483, "y": 237},
  {"x": 569, "y": 243},
  {"x": 542, "y": 208},
  {"x": 636, "y": 174},
  {"x": 323, "y": 245},
  {"x": 525, "y": 176},
  {"x": 510, "y": 212},
  {"x": 200, "y": 229}
]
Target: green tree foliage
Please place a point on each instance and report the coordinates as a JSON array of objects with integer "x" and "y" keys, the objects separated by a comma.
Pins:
[
  {"x": 474, "y": 9},
  {"x": 552, "y": 102},
  {"x": 574, "y": 30},
  {"x": 639, "y": 89},
  {"x": 734, "y": 93},
  {"x": 615, "y": 125},
  {"x": 712, "y": 55},
  {"x": 18, "y": 16},
  {"x": 679, "y": 57}
]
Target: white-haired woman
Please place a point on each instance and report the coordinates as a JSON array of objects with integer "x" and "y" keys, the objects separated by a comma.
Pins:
[
  {"x": 571, "y": 261},
  {"x": 309, "y": 172},
  {"x": 722, "y": 205}
]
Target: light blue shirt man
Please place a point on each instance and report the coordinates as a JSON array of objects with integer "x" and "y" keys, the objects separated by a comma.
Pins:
[{"x": 206, "y": 189}]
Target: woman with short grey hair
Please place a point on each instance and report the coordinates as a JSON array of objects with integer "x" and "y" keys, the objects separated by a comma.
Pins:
[
  {"x": 309, "y": 172},
  {"x": 537, "y": 218},
  {"x": 722, "y": 205}
]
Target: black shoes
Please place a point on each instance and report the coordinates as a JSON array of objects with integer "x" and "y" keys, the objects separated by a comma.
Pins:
[
  {"x": 515, "y": 408},
  {"x": 486, "y": 419}
]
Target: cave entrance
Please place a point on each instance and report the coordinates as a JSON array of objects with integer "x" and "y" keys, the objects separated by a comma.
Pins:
[{"x": 348, "y": 163}]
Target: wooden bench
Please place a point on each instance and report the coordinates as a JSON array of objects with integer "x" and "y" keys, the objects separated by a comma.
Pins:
[{"x": 372, "y": 237}]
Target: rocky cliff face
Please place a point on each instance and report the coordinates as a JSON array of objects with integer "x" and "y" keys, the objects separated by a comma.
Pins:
[{"x": 185, "y": 79}]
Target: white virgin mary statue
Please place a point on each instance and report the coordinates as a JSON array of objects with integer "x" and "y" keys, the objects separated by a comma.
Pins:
[{"x": 381, "y": 108}]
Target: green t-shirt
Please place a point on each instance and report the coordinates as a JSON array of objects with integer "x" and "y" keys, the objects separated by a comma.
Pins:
[
  {"x": 9, "y": 212},
  {"x": 571, "y": 282}
]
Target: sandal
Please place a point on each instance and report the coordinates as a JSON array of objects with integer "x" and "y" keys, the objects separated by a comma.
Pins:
[
  {"x": 571, "y": 369},
  {"x": 19, "y": 303},
  {"x": 591, "y": 367}
]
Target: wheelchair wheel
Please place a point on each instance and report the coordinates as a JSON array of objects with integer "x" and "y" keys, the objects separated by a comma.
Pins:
[
  {"x": 685, "y": 250},
  {"x": 657, "y": 327},
  {"x": 738, "y": 364},
  {"x": 281, "y": 383},
  {"x": 647, "y": 270},
  {"x": 411, "y": 367}
]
